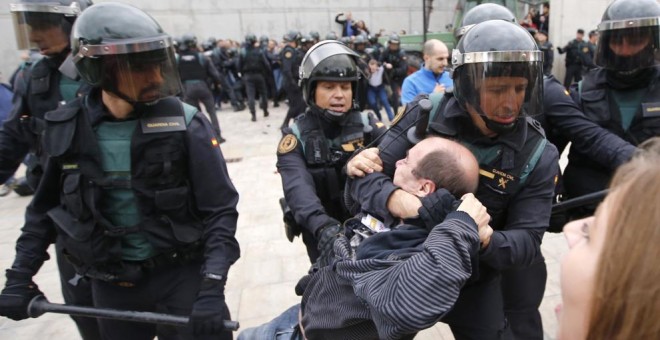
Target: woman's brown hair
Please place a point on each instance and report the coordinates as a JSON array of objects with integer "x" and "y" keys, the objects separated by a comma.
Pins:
[{"x": 626, "y": 300}]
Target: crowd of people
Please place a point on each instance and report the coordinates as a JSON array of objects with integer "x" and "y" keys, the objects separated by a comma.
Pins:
[{"x": 437, "y": 216}]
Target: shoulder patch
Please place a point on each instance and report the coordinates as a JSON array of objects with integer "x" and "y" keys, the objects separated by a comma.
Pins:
[
  {"x": 288, "y": 54},
  {"x": 585, "y": 49},
  {"x": 399, "y": 115},
  {"x": 287, "y": 144}
]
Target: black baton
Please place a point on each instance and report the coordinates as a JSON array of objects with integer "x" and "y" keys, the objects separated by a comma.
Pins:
[
  {"x": 594, "y": 197},
  {"x": 40, "y": 305}
]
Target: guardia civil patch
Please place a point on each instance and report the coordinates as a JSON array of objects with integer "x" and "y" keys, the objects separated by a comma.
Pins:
[
  {"x": 287, "y": 54},
  {"x": 287, "y": 144}
]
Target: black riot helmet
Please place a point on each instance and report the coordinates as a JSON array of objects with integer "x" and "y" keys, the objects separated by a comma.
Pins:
[
  {"x": 328, "y": 60},
  {"x": 291, "y": 36},
  {"x": 306, "y": 42},
  {"x": 123, "y": 50},
  {"x": 332, "y": 35},
  {"x": 498, "y": 74},
  {"x": 263, "y": 40},
  {"x": 250, "y": 39},
  {"x": 629, "y": 39},
  {"x": 40, "y": 15},
  {"x": 481, "y": 13},
  {"x": 315, "y": 36},
  {"x": 188, "y": 42}
]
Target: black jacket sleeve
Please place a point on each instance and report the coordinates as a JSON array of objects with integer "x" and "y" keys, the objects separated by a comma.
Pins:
[
  {"x": 39, "y": 232},
  {"x": 567, "y": 120},
  {"x": 215, "y": 197}
]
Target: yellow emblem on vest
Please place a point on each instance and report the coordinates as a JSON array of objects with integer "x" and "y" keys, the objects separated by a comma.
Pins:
[
  {"x": 288, "y": 54},
  {"x": 287, "y": 144}
]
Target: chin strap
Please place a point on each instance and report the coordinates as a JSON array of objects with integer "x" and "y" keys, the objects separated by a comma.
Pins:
[
  {"x": 137, "y": 106},
  {"x": 494, "y": 126}
]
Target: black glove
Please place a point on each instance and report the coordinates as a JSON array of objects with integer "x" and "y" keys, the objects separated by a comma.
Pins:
[
  {"x": 436, "y": 206},
  {"x": 326, "y": 241},
  {"x": 17, "y": 294},
  {"x": 209, "y": 310}
]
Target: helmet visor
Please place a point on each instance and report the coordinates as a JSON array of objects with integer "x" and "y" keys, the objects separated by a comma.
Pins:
[
  {"x": 628, "y": 45},
  {"x": 500, "y": 85},
  {"x": 143, "y": 70},
  {"x": 41, "y": 26}
]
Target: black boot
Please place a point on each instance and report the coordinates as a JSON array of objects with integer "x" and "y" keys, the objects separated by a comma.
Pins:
[
  {"x": 266, "y": 113},
  {"x": 254, "y": 117}
]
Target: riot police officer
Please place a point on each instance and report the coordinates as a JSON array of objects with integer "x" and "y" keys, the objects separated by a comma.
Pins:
[
  {"x": 396, "y": 66},
  {"x": 487, "y": 112},
  {"x": 622, "y": 95},
  {"x": 291, "y": 57},
  {"x": 47, "y": 84},
  {"x": 254, "y": 66},
  {"x": 315, "y": 148},
  {"x": 195, "y": 69},
  {"x": 574, "y": 58},
  {"x": 274, "y": 62},
  {"x": 149, "y": 230}
]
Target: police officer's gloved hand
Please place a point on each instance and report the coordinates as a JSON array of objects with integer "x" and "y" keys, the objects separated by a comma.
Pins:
[
  {"x": 436, "y": 206},
  {"x": 208, "y": 311},
  {"x": 326, "y": 237},
  {"x": 17, "y": 294}
]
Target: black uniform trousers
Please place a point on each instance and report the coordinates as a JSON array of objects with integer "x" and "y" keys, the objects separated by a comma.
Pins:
[
  {"x": 196, "y": 91},
  {"x": 573, "y": 72},
  {"x": 255, "y": 83},
  {"x": 523, "y": 290},
  {"x": 169, "y": 289},
  {"x": 77, "y": 292},
  {"x": 296, "y": 102},
  {"x": 484, "y": 322}
]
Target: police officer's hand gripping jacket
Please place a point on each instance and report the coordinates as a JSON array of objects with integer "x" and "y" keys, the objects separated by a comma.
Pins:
[
  {"x": 17, "y": 294},
  {"x": 327, "y": 236},
  {"x": 436, "y": 206}
]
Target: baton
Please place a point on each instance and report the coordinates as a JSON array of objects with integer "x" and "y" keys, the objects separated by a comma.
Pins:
[
  {"x": 593, "y": 197},
  {"x": 40, "y": 305}
]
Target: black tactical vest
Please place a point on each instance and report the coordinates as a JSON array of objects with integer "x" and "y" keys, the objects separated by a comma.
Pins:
[
  {"x": 253, "y": 61},
  {"x": 325, "y": 157},
  {"x": 191, "y": 66},
  {"x": 600, "y": 107},
  {"x": 158, "y": 179}
]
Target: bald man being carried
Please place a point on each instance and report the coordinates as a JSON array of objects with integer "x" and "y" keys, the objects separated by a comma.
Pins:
[{"x": 432, "y": 76}]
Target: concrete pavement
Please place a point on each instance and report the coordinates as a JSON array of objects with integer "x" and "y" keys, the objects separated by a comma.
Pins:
[{"x": 260, "y": 284}]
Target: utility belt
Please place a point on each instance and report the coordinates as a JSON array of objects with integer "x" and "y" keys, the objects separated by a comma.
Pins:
[{"x": 130, "y": 273}]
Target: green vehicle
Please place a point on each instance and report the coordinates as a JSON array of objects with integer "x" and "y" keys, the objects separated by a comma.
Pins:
[{"x": 412, "y": 44}]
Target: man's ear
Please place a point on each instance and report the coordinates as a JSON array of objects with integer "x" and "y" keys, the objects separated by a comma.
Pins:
[{"x": 427, "y": 187}]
